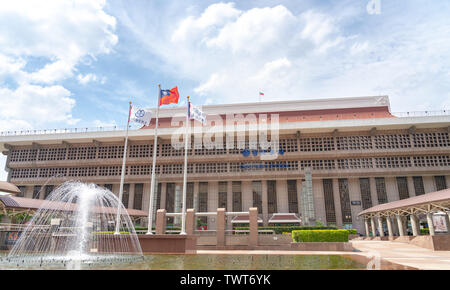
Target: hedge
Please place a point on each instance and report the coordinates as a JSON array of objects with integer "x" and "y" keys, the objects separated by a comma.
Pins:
[
  {"x": 305, "y": 236},
  {"x": 351, "y": 231},
  {"x": 281, "y": 230},
  {"x": 138, "y": 228},
  {"x": 425, "y": 231}
]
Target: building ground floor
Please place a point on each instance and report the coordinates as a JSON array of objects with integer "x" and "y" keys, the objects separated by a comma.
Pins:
[{"x": 336, "y": 201}]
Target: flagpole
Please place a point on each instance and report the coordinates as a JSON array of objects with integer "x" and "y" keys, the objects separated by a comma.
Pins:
[
  {"x": 122, "y": 176},
  {"x": 186, "y": 138},
  {"x": 152, "y": 184}
]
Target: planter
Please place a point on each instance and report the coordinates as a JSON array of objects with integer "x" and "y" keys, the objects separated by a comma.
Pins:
[{"x": 168, "y": 244}]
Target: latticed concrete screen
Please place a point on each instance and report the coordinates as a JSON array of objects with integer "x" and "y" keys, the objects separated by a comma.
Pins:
[{"x": 307, "y": 200}]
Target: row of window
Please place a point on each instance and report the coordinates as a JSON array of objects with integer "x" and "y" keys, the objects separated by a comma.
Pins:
[
  {"x": 366, "y": 197},
  {"x": 236, "y": 197},
  {"x": 303, "y": 144},
  {"x": 223, "y": 167}
]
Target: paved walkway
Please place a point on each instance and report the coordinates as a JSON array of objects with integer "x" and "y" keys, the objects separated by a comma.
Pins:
[
  {"x": 406, "y": 254},
  {"x": 395, "y": 252}
]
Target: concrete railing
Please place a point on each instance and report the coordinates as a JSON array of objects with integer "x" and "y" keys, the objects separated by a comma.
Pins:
[
  {"x": 122, "y": 128},
  {"x": 221, "y": 215}
]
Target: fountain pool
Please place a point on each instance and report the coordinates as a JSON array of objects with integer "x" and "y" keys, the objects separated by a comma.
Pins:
[{"x": 74, "y": 229}]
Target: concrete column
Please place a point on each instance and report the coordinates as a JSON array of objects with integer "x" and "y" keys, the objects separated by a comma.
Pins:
[
  {"x": 372, "y": 223},
  {"x": 430, "y": 223},
  {"x": 163, "y": 194},
  {"x": 337, "y": 203},
  {"x": 401, "y": 228},
  {"x": 220, "y": 227},
  {"x": 177, "y": 206},
  {"x": 131, "y": 196},
  {"x": 380, "y": 226},
  {"x": 282, "y": 196},
  {"x": 366, "y": 224},
  {"x": 414, "y": 225},
  {"x": 229, "y": 203},
  {"x": 389, "y": 226},
  {"x": 299, "y": 190},
  {"x": 395, "y": 227},
  {"x": 195, "y": 198},
  {"x": 265, "y": 210},
  {"x": 253, "y": 226},
  {"x": 190, "y": 221},
  {"x": 161, "y": 222}
]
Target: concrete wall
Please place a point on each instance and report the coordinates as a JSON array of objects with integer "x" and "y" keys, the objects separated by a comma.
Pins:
[{"x": 282, "y": 196}]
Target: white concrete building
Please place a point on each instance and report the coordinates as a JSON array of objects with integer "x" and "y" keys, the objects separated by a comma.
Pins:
[{"x": 358, "y": 153}]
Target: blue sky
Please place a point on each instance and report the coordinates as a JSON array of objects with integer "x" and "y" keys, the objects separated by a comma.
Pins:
[{"x": 77, "y": 64}]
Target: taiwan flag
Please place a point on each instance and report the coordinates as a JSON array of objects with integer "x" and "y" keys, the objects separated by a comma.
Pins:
[{"x": 169, "y": 96}]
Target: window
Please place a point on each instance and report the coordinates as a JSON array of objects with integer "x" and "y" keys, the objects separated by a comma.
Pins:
[
  {"x": 158, "y": 197},
  {"x": 392, "y": 141},
  {"x": 36, "y": 191},
  {"x": 223, "y": 192},
  {"x": 138, "y": 192},
  {"x": 48, "y": 190},
  {"x": 354, "y": 142},
  {"x": 271, "y": 196},
  {"x": 170, "y": 200},
  {"x": 418, "y": 185},
  {"x": 402, "y": 185},
  {"x": 125, "y": 195},
  {"x": 440, "y": 183},
  {"x": 22, "y": 191},
  {"x": 237, "y": 196},
  {"x": 203, "y": 200},
  {"x": 366, "y": 199},
  {"x": 141, "y": 151},
  {"x": 257, "y": 195},
  {"x": 316, "y": 144},
  {"x": 292, "y": 196},
  {"x": 381, "y": 190},
  {"x": 345, "y": 200},
  {"x": 330, "y": 213}
]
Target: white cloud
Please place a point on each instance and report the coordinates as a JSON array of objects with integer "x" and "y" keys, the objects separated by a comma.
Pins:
[
  {"x": 233, "y": 53},
  {"x": 90, "y": 77},
  {"x": 99, "y": 123},
  {"x": 316, "y": 26},
  {"x": 59, "y": 33},
  {"x": 33, "y": 105}
]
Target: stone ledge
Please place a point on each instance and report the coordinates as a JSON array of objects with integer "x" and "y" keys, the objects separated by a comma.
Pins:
[
  {"x": 169, "y": 244},
  {"x": 323, "y": 246}
]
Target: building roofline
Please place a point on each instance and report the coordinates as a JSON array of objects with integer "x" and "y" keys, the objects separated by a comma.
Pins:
[
  {"x": 284, "y": 106},
  {"x": 325, "y": 126}
]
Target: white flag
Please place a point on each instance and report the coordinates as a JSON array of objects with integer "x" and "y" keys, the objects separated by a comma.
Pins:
[
  {"x": 196, "y": 114},
  {"x": 141, "y": 116}
]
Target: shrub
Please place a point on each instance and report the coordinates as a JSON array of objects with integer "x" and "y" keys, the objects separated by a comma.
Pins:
[
  {"x": 351, "y": 231},
  {"x": 110, "y": 232},
  {"x": 425, "y": 231},
  {"x": 169, "y": 227},
  {"x": 305, "y": 236}
]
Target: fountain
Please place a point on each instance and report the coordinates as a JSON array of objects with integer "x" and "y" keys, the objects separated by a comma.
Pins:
[{"x": 74, "y": 228}]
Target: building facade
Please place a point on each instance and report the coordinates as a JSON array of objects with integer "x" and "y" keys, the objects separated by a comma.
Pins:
[{"x": 358, "y": 155}]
